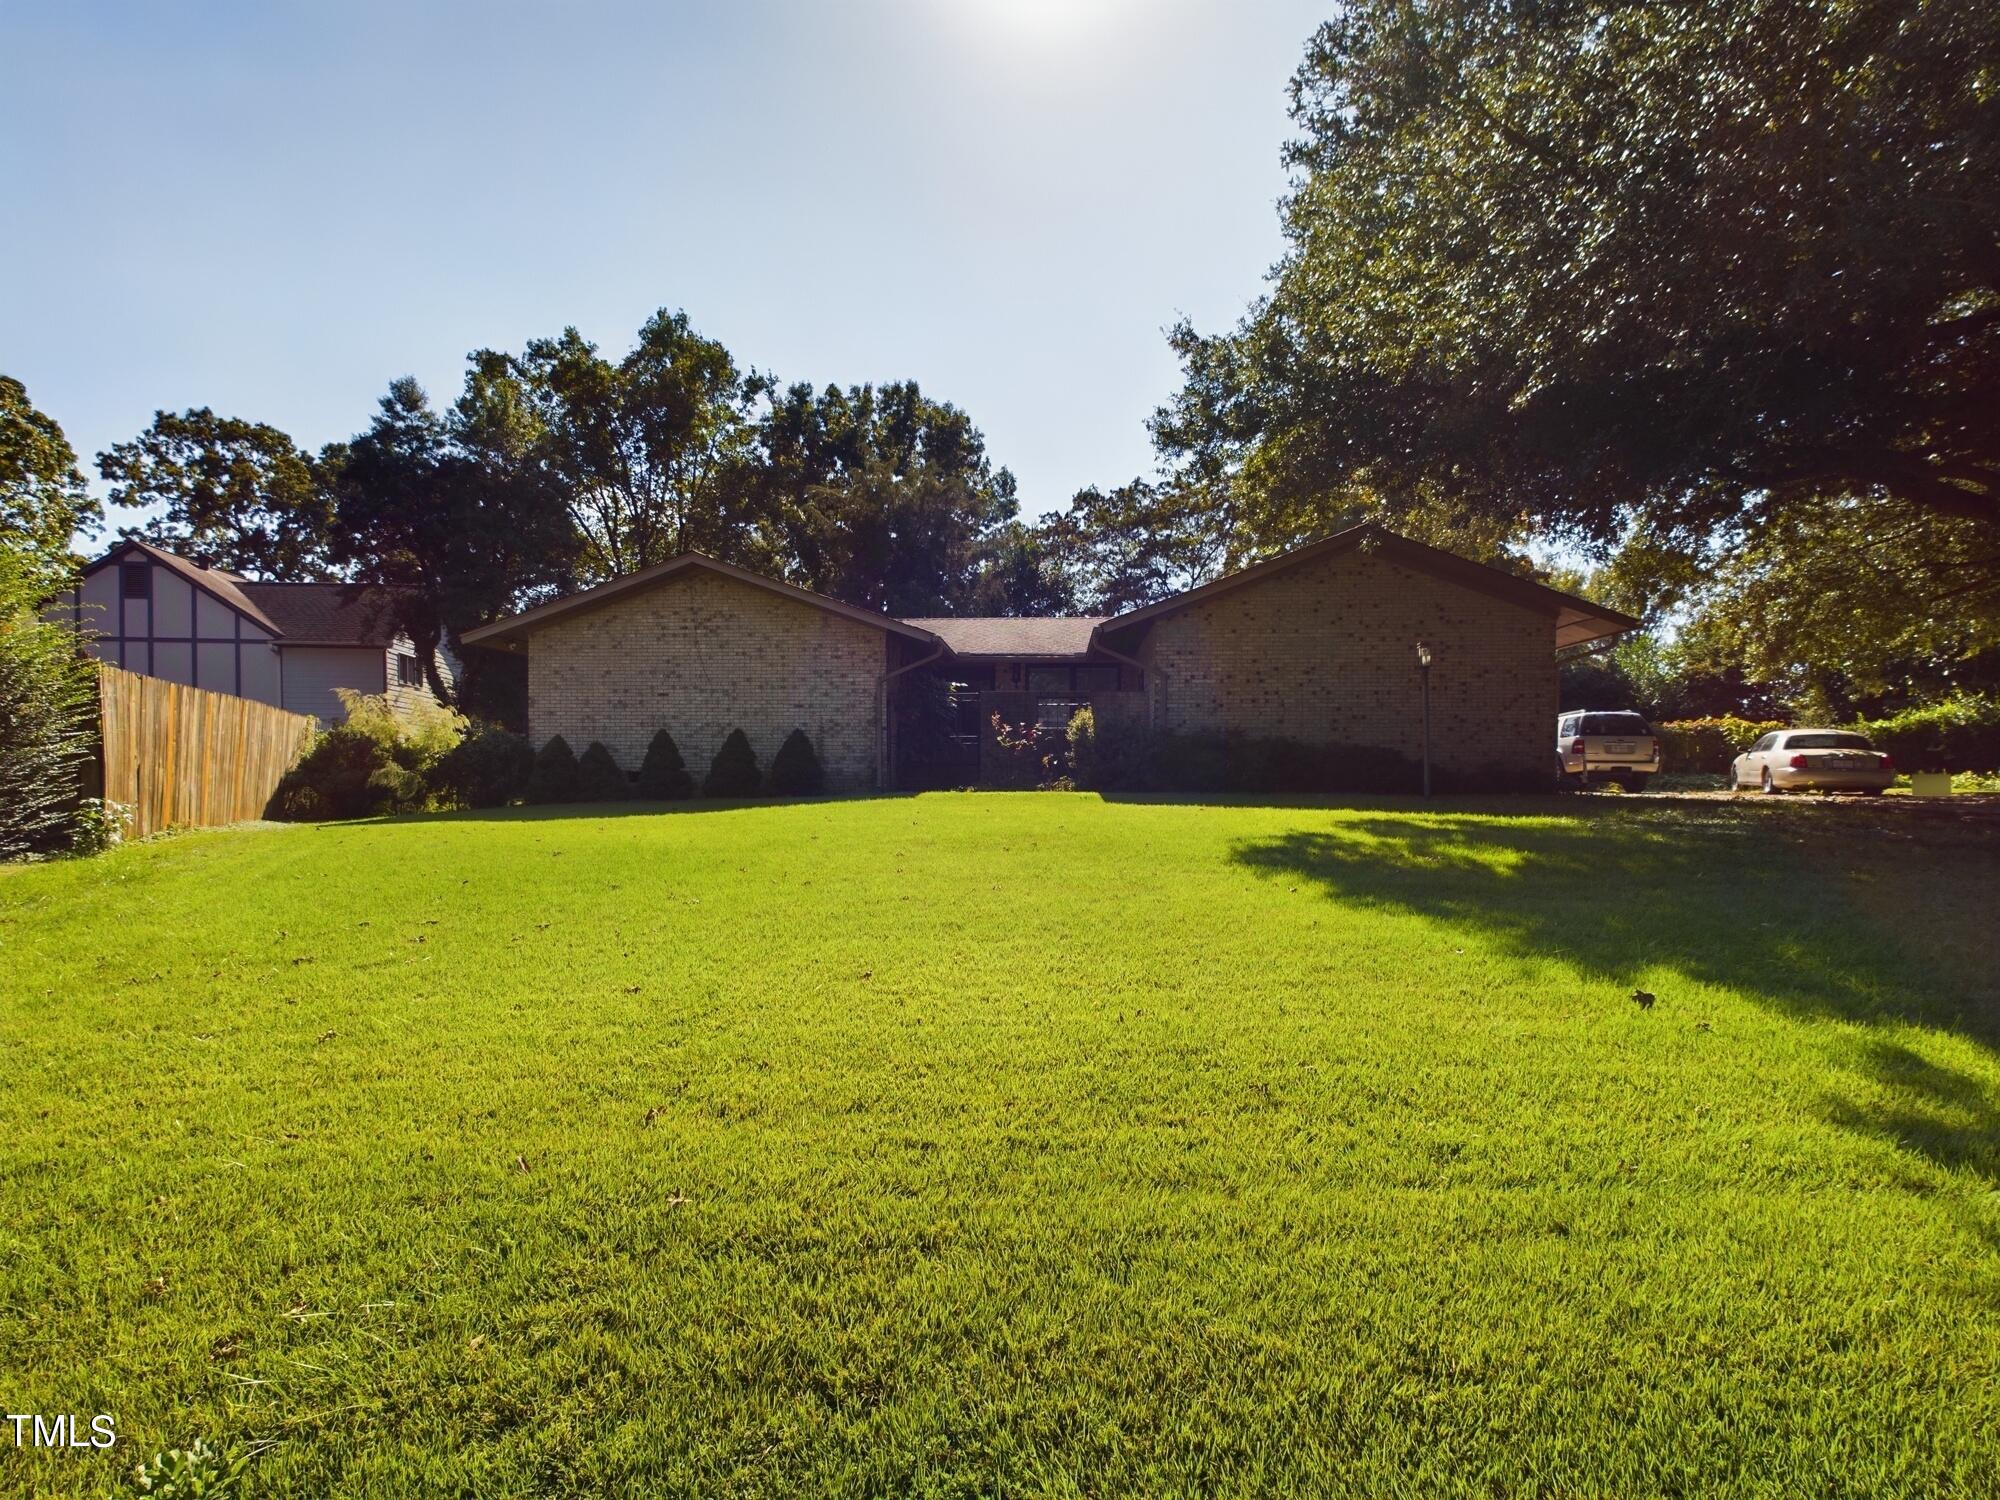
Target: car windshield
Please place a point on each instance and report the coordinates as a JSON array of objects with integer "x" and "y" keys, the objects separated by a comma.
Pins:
[
  {"x": 1614, "y": 724},
  {"x": 1827, "y": 742}
]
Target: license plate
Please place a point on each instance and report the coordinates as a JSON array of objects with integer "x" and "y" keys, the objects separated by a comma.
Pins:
[{"x": 1620, "y": 747}]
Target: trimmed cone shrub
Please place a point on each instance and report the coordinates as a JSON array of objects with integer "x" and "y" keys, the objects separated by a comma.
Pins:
[
  {"x": 663, "y": 775},
  {"x": 555, "y": 777},
  {"x": 795, "y": 769},
  {"x": 488, "y": 768},
  {"x": 734, "y": 771},
  {"x": 598, "y": 776}
]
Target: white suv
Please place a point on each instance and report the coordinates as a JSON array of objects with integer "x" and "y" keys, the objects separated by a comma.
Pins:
[{"x": 1617, "y": 747}]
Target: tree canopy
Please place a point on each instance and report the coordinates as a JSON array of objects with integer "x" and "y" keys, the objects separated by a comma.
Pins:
[
  {"x": 43, "y": 499},
  {"x": 1615, "y": 266},
  {"x": 228, "y": 493}
]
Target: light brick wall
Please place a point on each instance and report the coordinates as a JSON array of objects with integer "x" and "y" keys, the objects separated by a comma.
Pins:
[
  {"x": 1326, "y": 653},
  {"x": 700, "y": 655}
]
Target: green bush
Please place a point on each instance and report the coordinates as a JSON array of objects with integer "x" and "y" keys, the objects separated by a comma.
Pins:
[
  {"x": 1958, "y": 734},
  {"x": 47, "y": 721},
  {"x": 488, "y": 768},
  {"x": 1708, "y": 745},
  {"x": 349, "y": 771},
  {"x": 555, "y": 777},
  {"x": 734, "y": 771},
  {"x": 420, "y": 733},
  {"x": 598, "y": 777},
  {"x": 795, "y": 769},
  {"x": 663, "y": 775},
  {"x": 1086, "y": 768}
]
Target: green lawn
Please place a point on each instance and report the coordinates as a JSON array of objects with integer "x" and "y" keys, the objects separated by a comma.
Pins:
[{"x": 1020, "y": 1144}]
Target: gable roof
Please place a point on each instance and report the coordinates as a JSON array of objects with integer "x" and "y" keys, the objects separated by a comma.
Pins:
[
  {"x": 515, "y": 629},
  {"x": 1002, "y": 636},
  {"x": 329, "y": 614},
  {"x": 298, "y": 614},
  {"x": 1577, "y": 620},
  {"x": 225, "y": 586}
]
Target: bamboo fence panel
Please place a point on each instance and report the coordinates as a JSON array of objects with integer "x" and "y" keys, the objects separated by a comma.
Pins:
[{"x": 182, "y": 756}]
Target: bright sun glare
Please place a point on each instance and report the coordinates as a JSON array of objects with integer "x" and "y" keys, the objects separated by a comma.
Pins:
[{"x": 1044, "y": 22}]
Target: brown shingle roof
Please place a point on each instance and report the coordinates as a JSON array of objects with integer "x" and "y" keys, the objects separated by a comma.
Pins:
[
  {"x": 1007, "y": 636},
  {"x": 328, "y": 614},
  {"x": 300, "y": 614}
]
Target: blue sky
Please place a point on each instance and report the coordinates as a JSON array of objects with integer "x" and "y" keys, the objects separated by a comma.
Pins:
[{"x": 275, "y": 209}]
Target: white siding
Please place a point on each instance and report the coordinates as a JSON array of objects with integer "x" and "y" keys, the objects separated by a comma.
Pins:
[
  {"x": 311, "y": 674},
  {"x": 261, "y": 670},
  {"x": 173, "y": 605},
  {"x": 401, "y": 697},
  {"x": 213, "y": 616}
]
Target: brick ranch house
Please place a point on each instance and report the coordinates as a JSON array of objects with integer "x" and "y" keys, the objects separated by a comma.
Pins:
[
  {"x": 158, "y": 614},
  {"x": 1318, "y": 645}
]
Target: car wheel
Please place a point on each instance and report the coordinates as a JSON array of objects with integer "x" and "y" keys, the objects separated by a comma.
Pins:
[{"x": 1770, "y": 786}]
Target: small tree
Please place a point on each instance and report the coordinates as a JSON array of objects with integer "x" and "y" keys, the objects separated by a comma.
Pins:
[
  {"x": 663, "y": 775},
  {"x": 734, "y": 771},
  {"x": 795, "y": 769},
  {"x": 555, "y": 777},
  {"x": 47, "y": 696},
  {"x": 598, "y": 776}
]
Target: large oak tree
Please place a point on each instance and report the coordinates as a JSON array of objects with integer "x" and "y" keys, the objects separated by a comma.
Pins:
[{"x": 1618, "y": 268}]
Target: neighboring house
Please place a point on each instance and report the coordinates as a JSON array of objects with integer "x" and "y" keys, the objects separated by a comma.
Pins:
[
  {"x": 290, "y": 644},
  {"x": 1317, "y": 645}
]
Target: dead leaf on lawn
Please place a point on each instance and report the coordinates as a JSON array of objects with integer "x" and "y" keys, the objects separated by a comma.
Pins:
[
  {"x": 520, "y": 1164},
  {"x": 651, "y": 1116},
  {"x": 155, "y": 1287},
  {"x": 326, "y": 1036}
]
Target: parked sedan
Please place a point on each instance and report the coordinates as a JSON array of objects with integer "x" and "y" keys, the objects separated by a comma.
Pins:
[{"x": 1812, "y": 760}]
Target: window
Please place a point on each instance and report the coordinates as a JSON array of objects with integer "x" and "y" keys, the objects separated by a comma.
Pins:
[
  {"x": 1048, "y": 679},
  {"x": 1764, "y": 744},
  {"x": 1615, "y": 724},
  {"x": 1827, "y": 742},
  {"x": 408, "y": 672},
  {"x": 1096, "y": 680},
  {"x": 135, "y": 580}
]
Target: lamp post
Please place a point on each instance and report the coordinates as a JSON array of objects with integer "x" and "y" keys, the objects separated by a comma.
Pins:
[{"x": 1424, "y": 674}]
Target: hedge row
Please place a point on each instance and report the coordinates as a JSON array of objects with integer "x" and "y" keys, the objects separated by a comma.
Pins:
[
  {"x": 370, "y": 766},
  {"x": 1960, "y": 734},
  {"x": 1127, "y": 758},
  {"x": 557, "y": 774}
]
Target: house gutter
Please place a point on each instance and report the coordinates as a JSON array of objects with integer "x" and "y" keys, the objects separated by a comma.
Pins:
[{"x": 884, "y": 772}]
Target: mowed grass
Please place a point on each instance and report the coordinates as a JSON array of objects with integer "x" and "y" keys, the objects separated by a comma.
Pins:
[{"x": 970, "y": 1145}]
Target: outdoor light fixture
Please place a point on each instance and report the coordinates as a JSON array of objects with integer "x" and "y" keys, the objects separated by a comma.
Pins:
[{"x": 1424, "y": 673}]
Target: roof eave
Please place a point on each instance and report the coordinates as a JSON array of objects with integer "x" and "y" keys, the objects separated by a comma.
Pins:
[{"x": 516, "y": 629}]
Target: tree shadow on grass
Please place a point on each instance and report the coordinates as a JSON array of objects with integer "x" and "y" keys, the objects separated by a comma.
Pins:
[{"x": 1726, "y": 896}]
